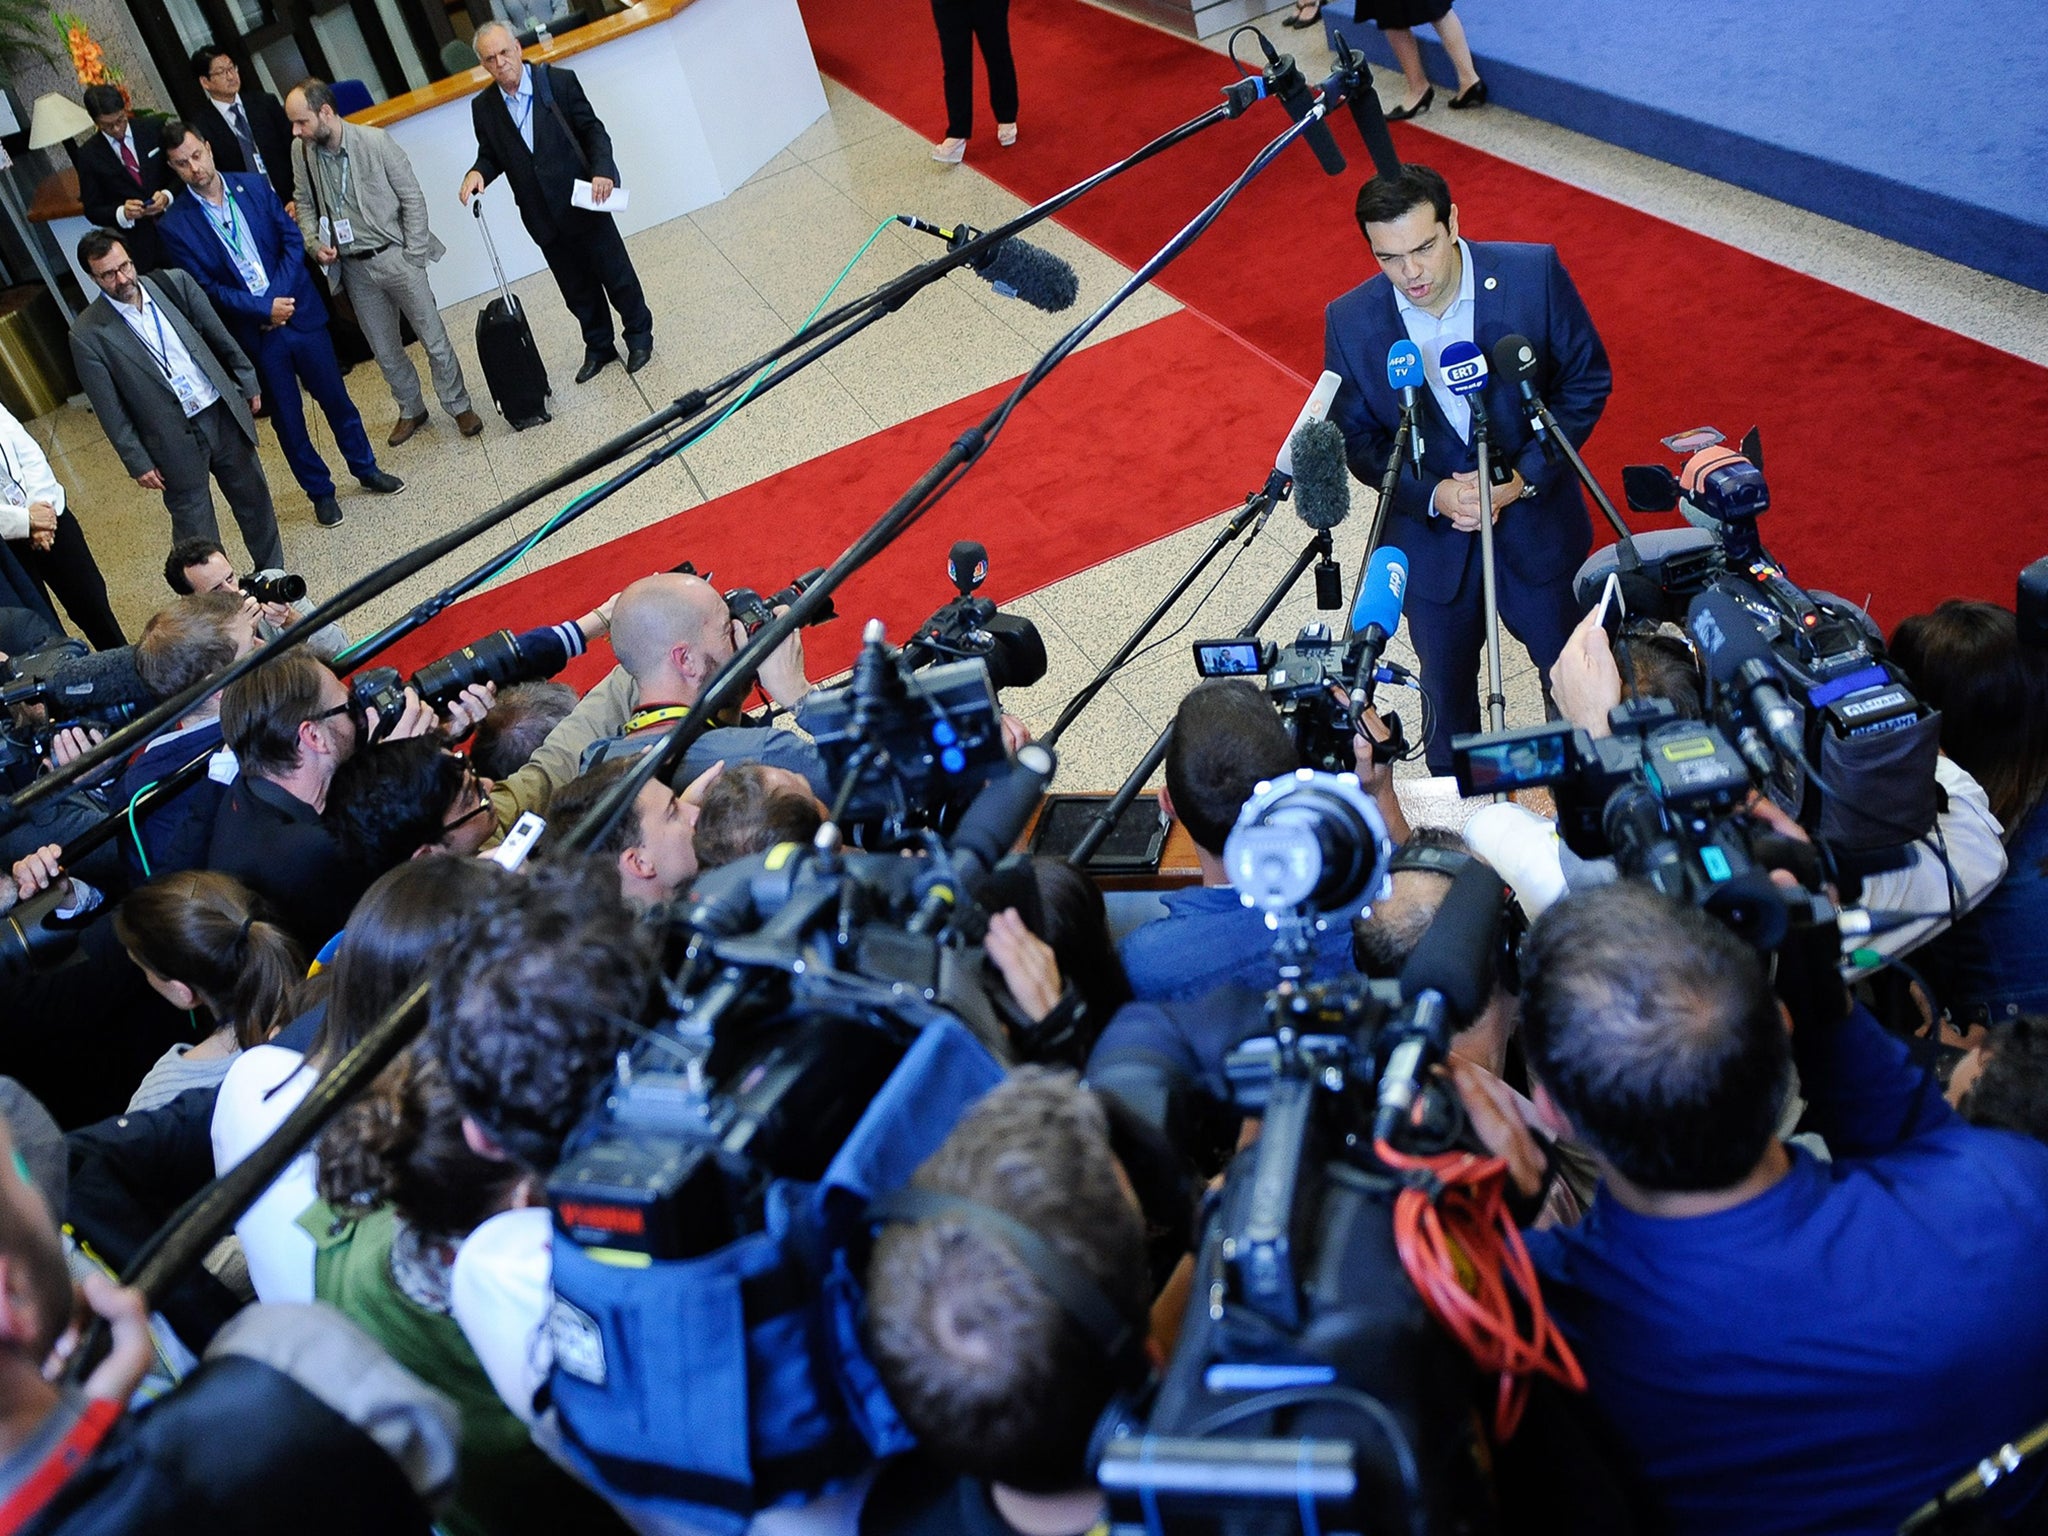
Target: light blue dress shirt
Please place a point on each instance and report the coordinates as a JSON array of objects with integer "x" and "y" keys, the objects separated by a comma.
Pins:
[
  {"x": 167, "y": 350},
  {"x": 520, "y": 104},
  {"x": 1432, "y": 333}
]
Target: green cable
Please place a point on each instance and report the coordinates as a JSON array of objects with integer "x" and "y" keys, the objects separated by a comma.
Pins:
[{"x": 133, "y": 831}]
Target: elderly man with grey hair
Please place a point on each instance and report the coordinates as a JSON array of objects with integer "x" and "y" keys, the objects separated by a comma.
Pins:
[
  {"x": 365, "y": 221},
  {"x": 536, "y": 128}
]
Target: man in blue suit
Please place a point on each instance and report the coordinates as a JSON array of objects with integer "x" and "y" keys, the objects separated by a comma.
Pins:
[
  {"x": 1435, "y": 288},
  {"x": 230, "y": 232}
]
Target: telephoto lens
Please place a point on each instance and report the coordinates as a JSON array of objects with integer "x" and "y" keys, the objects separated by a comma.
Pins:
[
  {"x": 496, "y": 658},
  {"x": 281, "y": 588}
]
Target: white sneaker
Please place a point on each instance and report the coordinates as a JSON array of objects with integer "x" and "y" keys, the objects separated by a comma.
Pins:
[
  {"x": 950, "y": 151},
  {"x": 1006, "y": 134}
]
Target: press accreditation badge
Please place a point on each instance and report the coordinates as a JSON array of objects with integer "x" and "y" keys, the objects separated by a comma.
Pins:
[
  {"x": 344, "y": 233},
  {"x": 187, "y": 392}
]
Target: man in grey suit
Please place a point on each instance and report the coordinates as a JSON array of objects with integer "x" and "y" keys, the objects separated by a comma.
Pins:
[
  {"x": 174, "y": 395},
  {"x": 365, "y": 220}
]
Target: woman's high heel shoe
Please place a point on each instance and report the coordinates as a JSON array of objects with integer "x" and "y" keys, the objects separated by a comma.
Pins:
[
  {"x": 1474, "y": 95},
  {"x": 1301, "y": 21},
  {"x": 1402, "y": 114}
]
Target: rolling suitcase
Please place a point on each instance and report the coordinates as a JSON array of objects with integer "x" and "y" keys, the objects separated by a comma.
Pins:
[{"x": 517, "y": 378}]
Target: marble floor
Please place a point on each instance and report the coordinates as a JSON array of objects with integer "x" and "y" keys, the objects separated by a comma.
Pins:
[{"x": 735, "y": 278}]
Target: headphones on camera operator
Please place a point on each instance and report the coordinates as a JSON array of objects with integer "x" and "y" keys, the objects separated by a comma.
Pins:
[{"x": 1452, "y": 862}]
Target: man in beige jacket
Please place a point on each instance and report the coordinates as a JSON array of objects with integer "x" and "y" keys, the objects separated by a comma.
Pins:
[{"x": 365, "y": 221}]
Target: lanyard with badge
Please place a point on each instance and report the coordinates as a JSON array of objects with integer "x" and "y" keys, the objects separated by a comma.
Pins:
[
  {"x": 344, "y": 228},
  {"x": 234, "y": 234},
  {"x": 182, "y": 385}
]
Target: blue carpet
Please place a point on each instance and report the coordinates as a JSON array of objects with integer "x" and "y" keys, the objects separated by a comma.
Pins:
[{"x": 1803, "y": 102}]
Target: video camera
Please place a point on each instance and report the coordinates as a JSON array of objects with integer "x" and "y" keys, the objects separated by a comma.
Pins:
[
  {"x": 1857, "y": 764},
  {"x": 72, "y": 686},
  {"x": 1323, "y": 685},
  {"x": 1311, "y": 1385},
  {"x": 1664, "y": 798},
  {"x": 907, "y": 744},
  {"x": 821, "y": 1033},
  {"x": 970, "y": 628}
]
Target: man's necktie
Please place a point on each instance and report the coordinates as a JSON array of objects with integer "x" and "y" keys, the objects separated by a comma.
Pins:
[
  {"x": 128, "y": 159},
  {"x": 240, "y": 124}
]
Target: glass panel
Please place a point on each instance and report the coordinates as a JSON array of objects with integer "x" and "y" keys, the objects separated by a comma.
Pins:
[
  {"x": 402, "y": 44},
  {"x": 342, "y": 41},
  {"x": 280, "y": 66},
  {"x": 251, "y": 14},
  {"x": 193, "y": 27}
]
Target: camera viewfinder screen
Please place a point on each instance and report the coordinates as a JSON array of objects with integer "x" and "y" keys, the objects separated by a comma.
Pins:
[
  {"x": 1520, "y": 764},
  {"x": 1227, "y": 658}
]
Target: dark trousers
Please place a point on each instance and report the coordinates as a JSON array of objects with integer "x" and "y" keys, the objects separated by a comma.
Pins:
[
  {"x": 1449, "y": 639},
  {"x": 286, "y": 356},
  {"x": 591, "y": 266},
  {"x": 230, "y": 458},
  {"x": 68, "y": 570},
  {"x": 960, "y": 23}
]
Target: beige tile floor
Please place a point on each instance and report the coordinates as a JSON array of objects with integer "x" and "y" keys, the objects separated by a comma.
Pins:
[{"x": 733, "y": 279}]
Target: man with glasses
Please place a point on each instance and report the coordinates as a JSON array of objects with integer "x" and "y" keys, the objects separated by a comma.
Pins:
[
  {"x": 400, "y": 800},
  {"x": 122, "y": 179},
  {"x": 174, "y": 394},
  {"x": 247, "y": 129},
  {"x": 233, "y": 235},
  {"x": 291, "y": 728}
]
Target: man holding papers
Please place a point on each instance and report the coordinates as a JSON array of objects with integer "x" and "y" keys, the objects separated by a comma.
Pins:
[{"x": 535, "y": 127}]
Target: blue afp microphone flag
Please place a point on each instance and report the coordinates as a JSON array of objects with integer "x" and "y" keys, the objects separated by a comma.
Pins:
[{"x": 1381, "y": 593}]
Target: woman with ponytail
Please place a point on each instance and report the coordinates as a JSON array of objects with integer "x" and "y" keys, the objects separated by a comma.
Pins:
[{"x": 206, "y": 943}]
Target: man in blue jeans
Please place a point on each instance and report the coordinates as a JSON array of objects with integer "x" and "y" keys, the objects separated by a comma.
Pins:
[
  {"x": 230, "y": 231},
  {"x": 1228, "y": 739},
  {"x": 1778, "y": 1343}
]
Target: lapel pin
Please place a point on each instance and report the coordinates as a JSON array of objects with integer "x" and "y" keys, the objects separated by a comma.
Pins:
[{"x": 1493, "y": 282}]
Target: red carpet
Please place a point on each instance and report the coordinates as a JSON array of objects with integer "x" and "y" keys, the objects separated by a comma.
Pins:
[
  {"x": 1898, "y": 452},
  {"x": 1057, "y": 493}
]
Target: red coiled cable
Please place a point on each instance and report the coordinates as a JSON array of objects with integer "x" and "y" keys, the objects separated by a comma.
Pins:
[{"x": 1461, "y": 1247}]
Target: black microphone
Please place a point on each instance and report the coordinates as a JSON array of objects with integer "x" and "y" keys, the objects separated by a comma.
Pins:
[
  {"x": 1285, "y": 81},
  {"x": 1014, "y": 269},
  {"x": 1736, "y": 656},
  {"x": 1446, "y": 984},
  {"x": 967, "y": 566},
  {"x": 1514, "y": 357},
  {"x": 77, "y": 685}
]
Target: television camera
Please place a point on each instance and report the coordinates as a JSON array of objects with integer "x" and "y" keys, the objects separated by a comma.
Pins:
[
  {"x": 1313, "y": 1384},
  {"x": 1862, "y": 774}
]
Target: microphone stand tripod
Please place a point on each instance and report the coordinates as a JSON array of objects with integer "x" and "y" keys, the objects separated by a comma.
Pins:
[
  {"x": 208, "y": 1215},
  {"x": 1496, "y": 696},
  {"x": 1100, "y": 825},
  {"x": 1256, "y": 509}
]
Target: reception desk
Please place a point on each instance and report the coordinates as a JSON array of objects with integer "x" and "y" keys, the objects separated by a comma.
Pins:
[{"x": 697, "y": 95}]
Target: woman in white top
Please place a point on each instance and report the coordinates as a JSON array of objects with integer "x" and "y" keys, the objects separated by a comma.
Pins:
[
  {"x": 205, "y": 943},
  {"x": 402, "y": 927},
  {"x": 47, "y": 539}
]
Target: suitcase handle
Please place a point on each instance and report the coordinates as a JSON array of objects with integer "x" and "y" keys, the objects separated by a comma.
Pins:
[{"x": 476, "y": 206}]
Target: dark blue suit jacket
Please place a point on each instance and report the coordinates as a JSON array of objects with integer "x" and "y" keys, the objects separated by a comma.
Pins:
[
  {"x": 190, "y": 242},
  {"x": 1516, "y": 290}
]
